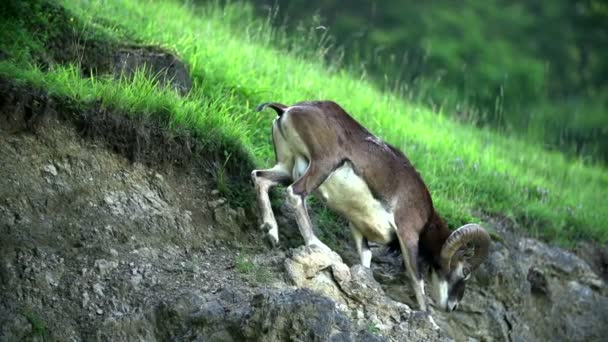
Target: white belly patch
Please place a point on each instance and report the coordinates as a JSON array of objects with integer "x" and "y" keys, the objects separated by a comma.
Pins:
[{"x": 348, "y": 194}]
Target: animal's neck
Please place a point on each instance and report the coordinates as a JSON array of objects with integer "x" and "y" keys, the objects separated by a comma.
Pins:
[{"x": 432, "y": 238}]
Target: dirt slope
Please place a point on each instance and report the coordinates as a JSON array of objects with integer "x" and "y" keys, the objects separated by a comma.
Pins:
[{"x": 112, "y": 229}]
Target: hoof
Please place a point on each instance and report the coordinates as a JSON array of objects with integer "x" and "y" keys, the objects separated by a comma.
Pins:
[
  {"x": 271, "y": 241},
  {"x": 265, "y": 227},
  {"x": 321, "y": 246},
  {"x": 426, "y": 316}
]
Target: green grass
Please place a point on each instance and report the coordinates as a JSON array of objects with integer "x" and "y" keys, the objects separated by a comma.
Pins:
[
  {"x": 373, "y": 328},
  {"x": 39, "y": 328},
  {"x": 252, "y": 271},
  {"x": 237, "y": 61}
]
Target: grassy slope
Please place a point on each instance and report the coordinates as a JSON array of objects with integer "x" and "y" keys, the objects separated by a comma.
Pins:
[{"x": 235, "y": 64}]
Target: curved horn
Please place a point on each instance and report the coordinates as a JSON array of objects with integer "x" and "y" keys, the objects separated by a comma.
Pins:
[{"x": 469, "y": 234}]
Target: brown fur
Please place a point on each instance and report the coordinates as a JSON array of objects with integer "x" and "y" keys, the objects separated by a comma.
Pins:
[{"x": 333, "y": 136}]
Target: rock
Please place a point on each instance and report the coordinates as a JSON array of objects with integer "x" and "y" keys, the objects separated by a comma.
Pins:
[
  {"x": 538, "y": 282},
  {"x": 310, "y": 267},
  {"x": 270, "y": 315},
  {"x": 363, "y": 286},
  {"x": 526, "y": 291},
  {"x": 14, "y": 327},
  {"x": 293, "y": 315},
  {"x": 216, "y": 203},
  {"x": 50, "y": 169},
  {"x": 164, "y": 66},
  {"x": 108, "y": 199},
  {"x": 136, "y": 279},
  {"x": 307, "y": 261},
  {"x": 98, "y": 289},
  {"x": 104, "y": 267},
  {"x": 225, "y": 216},
  {"x": 595, "y": 255},
  {"x": 326, "y": 274}
]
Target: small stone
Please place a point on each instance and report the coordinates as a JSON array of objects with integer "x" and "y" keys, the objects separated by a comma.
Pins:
[
  {"x": 85, "y": 299},
  {"x": 217, "y": 203},
  {"x": 360, "y": 314},
  {"x": 50, "y": 169},
  {"x": 104, "y": 266},
  {"x": 98, "y": 289},
  {"x": 136, "y": 279},
  {"x": 99, "y": 312}
]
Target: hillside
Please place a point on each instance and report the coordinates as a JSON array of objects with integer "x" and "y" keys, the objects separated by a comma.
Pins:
[
  {"x": 113, "y": 229},
  {"x": 127, "y": 210},
  {"x": 235, "y": 64}
]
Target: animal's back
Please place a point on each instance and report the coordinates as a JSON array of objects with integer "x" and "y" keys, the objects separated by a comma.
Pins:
[{"x": 334, "y": 136}]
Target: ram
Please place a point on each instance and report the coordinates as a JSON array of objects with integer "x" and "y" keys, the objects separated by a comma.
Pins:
[{"x": 321, "y": 149}]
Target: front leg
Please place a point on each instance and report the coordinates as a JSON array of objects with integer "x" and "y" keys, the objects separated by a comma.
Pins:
[
  {"x": 312, "y": 178},
  {"x": 362, "y": 247},
  {"x": 411, "y": 261},
  {"x": 409, "y": 249},
  {"x": 410, "y": 255},
  {"x": 297, "y": 202}
]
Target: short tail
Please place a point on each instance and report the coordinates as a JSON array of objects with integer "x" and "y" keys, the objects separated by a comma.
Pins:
[{"x": 279, "y": 108}]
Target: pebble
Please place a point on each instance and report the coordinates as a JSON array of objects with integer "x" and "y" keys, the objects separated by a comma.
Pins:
[
  {"x": 136, "y": 279},
  {"x": 50, "y": 169},
  {"x": 218, "y": 202},
  {"x": 104, "y": 266},
  {"x": 98, "y": 288},
  {"x": 360, "y": 314}
]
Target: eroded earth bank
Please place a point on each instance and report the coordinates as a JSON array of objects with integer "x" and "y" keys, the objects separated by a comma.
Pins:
[{"x": 111, "y": 229}]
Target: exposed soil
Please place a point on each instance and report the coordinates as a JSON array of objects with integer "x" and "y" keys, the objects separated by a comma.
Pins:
[
  {"x": 89, "y": 231},
  {"x": 113, "y": 229}
]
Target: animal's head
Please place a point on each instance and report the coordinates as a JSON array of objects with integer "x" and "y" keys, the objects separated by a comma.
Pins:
[{"x": 464, "y": 250}]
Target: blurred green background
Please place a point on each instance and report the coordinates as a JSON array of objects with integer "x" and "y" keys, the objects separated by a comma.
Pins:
[{"x": 536, "y": 69}]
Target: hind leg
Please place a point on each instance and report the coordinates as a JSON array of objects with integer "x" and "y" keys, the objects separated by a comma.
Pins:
[
  {"x": 365, "y": 254},
  {"x": 264, "y": 180}
]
